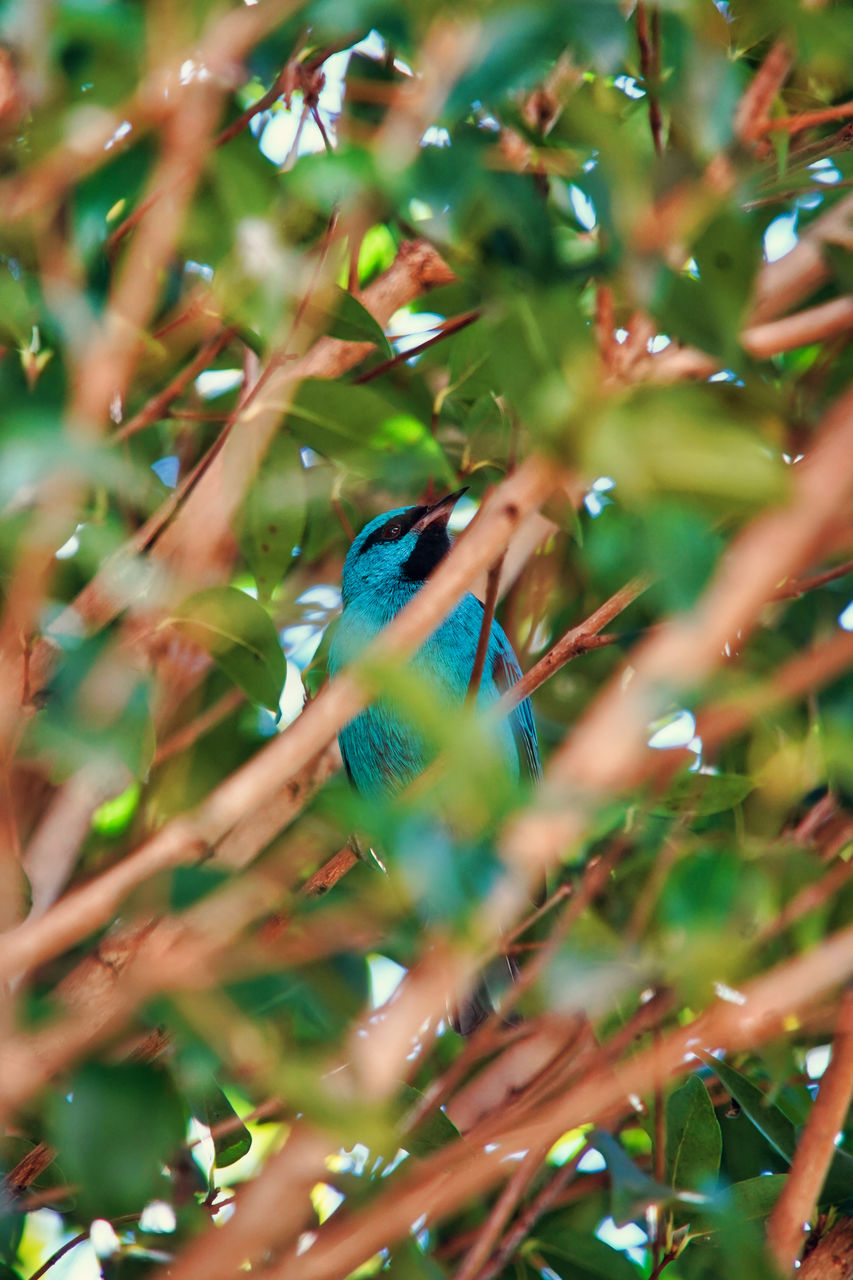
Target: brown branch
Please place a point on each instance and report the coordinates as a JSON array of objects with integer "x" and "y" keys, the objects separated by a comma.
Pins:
[
  {"x": 753, "y": 110},
  {"x": 330, "y": 873},
  {"x": 815, "y": 324},
  {"x": 262, "y": 822},
  {"x": 538, "y": 1207},
  {"x": 801, "y": 674},
  {"x": 782, "y": 284},
  {"x": 499, "y": 1216},
  {"x": 30, "y": 1167},
  {"x": 225, "y": 41},
  {"x": 608, "y": 750},
  {"x": 576, "y": 641},
  {"x": 794, "y": 590},
  {"x": 649, "y": 69},
  {"x": 832, "y": 1256},
  {"x": 197, "y": 728},
  {"x": 158, "y": 404},
  {"x": 206, "y": 517},
  {"x": 816, "y": 1147},
  {"x": 448, "y": 327},
  {"x": 444, "y": 1180},
  {"x": 489, "y": 604},
  {"x": 806, "y": 119},
  {"x": 201, "y": 521},
  {"x": 273, "y": 768},
  {"x": 808, "y": 899}
]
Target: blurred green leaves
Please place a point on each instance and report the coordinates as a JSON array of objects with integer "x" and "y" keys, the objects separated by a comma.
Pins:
[
  {"x": 361, "y": 429},
  {"x": 116, "y": 1127},
  {"x": 240, "y": 637}
]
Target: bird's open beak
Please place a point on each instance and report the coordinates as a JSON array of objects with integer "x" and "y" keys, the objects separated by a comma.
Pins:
[{"x": 439, "y": 513}]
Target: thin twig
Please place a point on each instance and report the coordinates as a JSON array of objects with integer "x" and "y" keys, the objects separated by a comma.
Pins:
[
  {"x": 808, "y": 899},
  {"x": 521, "y": 1229},
  {"x": 793, "y": 590},
  {"x": 577, "y": 640},
  {"x": 489, "y": 604},
  {"x": 806, "y": 119},
  {"x": 73, "y": 1243},
  {"x": 454, "y": 325},
  {"x": 785, "y": 1237},
  {"x": 659, "y": 1164},
  {"x": 343, "y": 519},
  {"x": 330, "y": 873},
  {"x": 156, "y": 407},
  {"x": 197, "y": 728},
  {"x": 315, "y": 112},
  {"x": 499, "y": 1215},
  {"x": 649, "y": 58}
]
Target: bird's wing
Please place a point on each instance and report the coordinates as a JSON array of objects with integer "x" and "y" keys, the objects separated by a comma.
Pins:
[{"x": 505, "y": 673}]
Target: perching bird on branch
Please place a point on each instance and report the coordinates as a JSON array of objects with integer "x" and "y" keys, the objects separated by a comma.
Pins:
[{"x": 386, "y": 565}]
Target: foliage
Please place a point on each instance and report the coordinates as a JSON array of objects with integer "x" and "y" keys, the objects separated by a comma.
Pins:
[{"x": 267, "y": 270}]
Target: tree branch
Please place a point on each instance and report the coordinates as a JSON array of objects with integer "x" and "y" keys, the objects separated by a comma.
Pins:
[
  {"x": 576, "y": 641},
  {"x": 785, "y": 1237},
  {"x": 187, "y": 838},
  {"x": 606, "y": 751},
  {"x": 449, "y": 1177}
]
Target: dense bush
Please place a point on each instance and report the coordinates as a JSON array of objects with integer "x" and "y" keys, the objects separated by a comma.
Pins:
[{"x": 268, "y": 270}]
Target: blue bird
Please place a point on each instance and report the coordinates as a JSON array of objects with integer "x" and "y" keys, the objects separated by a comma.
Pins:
[{"x": 382, "y": 750}]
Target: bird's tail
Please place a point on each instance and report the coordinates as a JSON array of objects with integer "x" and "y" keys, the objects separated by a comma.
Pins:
[{"x": 474, "y": 1009}]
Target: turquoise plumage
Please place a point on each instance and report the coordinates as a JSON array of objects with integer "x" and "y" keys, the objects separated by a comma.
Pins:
[
  {"x": 382, "y": 750},
  {"x": 387, "y": 564}
]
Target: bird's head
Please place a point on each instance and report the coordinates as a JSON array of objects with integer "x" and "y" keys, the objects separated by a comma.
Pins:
[{"x": 398, "y": 550}]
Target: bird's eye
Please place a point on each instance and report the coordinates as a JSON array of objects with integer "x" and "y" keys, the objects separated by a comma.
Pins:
[{"x": 392, "y": 531}]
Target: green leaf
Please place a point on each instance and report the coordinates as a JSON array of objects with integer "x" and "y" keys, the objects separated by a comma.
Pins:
[
  {"x": 76, "y": 728},
  {"x": 705, "y": 793},
  {"x": 240, "y": 637},
  {"x": 685, "y": 440},
  {"x": 750, "y": 1200},
  {"x": 693, "y": 1140},
  {"x": 770, "y": 1121},
  {"x": 432, "y": 1131},
  {"x": 707, "y": 312},
  {"x": 115, "y": 815},
  {"x": 329, "y": 415},
  {"x": 115, "y": 1128},
  {"x": 631, "y": 1190},
  {"x": 777, "y": 1129},
  {"x": 755, "y": 1197},
  {"x": 590, "y": 1258},
  {"x": 360, "y": 427},
  {"x": 274, "y": 514},
  {"x": 343, "y": 316},
  {"x": 212, "y": 1108}
]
